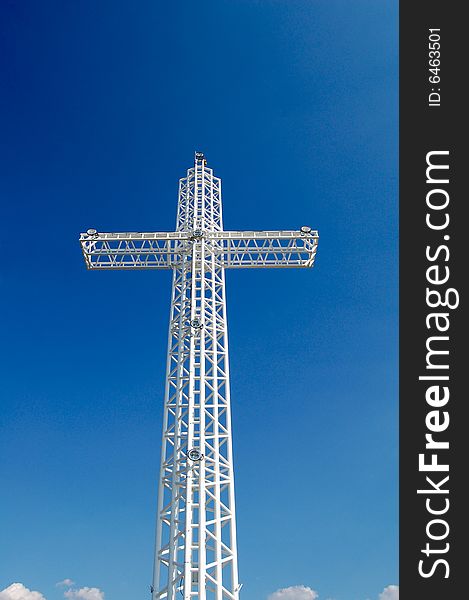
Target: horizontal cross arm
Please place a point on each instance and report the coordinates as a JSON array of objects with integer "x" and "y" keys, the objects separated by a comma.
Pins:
[
  {"x": 231, "y": 249},
  {"x": 266, "y": 249},
  {"x": 133, "y": 250}
]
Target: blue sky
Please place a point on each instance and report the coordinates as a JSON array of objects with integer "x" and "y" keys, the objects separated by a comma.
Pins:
[{"x": 295, "y": 105}]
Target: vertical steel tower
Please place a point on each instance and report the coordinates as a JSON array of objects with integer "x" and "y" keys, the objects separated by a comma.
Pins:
[{"x": 196, "y": 553}]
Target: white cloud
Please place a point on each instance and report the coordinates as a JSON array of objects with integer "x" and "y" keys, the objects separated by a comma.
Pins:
[
  {"x": 295, "y": 592},
  {"x": 65, "y": 583},
  {"x": 17, "y": 591},
  {"x": 85, "y": 593},
  {"x": 391, "y": 592}
]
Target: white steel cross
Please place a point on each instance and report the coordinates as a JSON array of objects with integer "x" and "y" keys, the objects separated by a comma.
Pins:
[{"x": 195, "y": 555}]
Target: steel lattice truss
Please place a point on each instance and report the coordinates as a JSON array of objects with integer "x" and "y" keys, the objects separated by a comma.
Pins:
[
  {"x": 196, "y": 553},
  {"x": 230, "y": 249}
]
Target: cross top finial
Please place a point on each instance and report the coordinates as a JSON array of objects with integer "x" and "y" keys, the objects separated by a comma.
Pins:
[{"x": 200, "y": 158}]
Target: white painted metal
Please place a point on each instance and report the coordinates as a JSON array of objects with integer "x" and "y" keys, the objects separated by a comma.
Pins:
[
  {"x": 231, "y": 249},
  {"x": 196, "y": 553}
]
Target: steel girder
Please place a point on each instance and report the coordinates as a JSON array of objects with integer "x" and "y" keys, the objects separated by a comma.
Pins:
[
  {"x": 230, "y": 249},
  {"x": 196, "y": 555}
]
